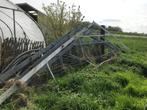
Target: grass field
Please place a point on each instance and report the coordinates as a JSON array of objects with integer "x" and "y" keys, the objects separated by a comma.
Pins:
[{"x": 119, "y": 85}]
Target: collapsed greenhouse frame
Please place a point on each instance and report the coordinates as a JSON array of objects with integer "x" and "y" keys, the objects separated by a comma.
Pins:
[
  {"x": 69, "y": 48},
  {"x": 25, "y": 67}
]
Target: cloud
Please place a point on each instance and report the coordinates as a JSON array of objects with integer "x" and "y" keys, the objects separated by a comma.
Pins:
[{"x": 111, "y": 20}]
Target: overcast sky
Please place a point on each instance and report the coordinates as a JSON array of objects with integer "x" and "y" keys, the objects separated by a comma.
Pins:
[{"x": 131, "y": 15}]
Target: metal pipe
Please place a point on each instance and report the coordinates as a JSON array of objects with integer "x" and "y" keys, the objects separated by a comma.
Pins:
[
  {"x": 10, "y": 8},
  {"x": 14, "y": 25},
  {"x": 2, "y": 37},
  {"x": 7, "y": 27}
]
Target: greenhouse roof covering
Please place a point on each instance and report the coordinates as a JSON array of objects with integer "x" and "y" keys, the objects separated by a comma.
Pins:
[{"x": 14, "y": 22}]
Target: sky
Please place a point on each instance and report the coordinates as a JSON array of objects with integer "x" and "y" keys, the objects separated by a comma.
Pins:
[{"x": 130, "y": 15}]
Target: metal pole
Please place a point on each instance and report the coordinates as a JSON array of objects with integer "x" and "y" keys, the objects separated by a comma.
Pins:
[
  {"x": 51, "y": 72},
  {"x": 14, "y": 25}
]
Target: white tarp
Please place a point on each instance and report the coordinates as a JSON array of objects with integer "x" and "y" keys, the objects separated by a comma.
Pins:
[{"x": 24, "y": 25}]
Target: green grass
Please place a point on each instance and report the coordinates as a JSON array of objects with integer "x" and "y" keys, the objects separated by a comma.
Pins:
[{"x": 121, "y": 85}]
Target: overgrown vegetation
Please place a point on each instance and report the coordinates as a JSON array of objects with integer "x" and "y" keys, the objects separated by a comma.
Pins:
[
  {"x": 121, "y": 85},
  {"x": 60, "y": 19}
]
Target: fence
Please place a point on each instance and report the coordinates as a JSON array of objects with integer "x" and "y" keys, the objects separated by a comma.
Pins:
[{"x": 12, "y": 47}]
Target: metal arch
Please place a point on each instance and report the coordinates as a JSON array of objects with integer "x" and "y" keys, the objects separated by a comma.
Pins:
[
  {"x": 7, "y": 27},
  {"x": 13, "y": 62},
  {"x": 16, "y": 23},
  {"x": 37, "y": 26},
  {"x": 2, "y": 33},
  {"x": 10, "y": 8},
  {"x": 18, "y": 8}
]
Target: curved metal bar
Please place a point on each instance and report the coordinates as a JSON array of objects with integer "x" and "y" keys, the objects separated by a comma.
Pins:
[
  {"x": 37, "y": 26},
  {"x": 10, "y": 8},
  {"x": 7, "y": 27},
  {"x": 16, "y": 23},
  {"x": 2, "y": 33},
  {"x": 13, "y": 62}
]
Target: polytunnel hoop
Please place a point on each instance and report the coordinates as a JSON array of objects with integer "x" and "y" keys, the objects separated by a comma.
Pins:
[
  {"x": 10, "y": 8},
  {"x": 7, "y": 27},
  {"x": 16, "y": 23},
  {"x": 2, "y": 34}
]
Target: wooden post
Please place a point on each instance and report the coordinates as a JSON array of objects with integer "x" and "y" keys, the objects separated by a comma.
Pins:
[{"x": 102, "y": 32}]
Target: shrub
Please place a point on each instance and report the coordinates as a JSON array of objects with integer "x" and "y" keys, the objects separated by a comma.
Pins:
[{"x": 60, "y": 18}]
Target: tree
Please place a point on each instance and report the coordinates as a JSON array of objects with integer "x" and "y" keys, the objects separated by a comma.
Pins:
[
  {"x": 59, "y": 19},
  {"x": 114, "y": 29}
]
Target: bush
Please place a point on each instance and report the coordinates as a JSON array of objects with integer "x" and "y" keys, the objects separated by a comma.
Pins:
[{"x": 60, "y": 18}]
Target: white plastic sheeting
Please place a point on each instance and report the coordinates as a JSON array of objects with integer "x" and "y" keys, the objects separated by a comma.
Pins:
[
  {"x": 24, "y": 26},
  {"x": 8, "y": 4}
]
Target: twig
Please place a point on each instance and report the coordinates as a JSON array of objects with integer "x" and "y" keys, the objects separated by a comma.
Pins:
[{"x": 106, "y": 61}]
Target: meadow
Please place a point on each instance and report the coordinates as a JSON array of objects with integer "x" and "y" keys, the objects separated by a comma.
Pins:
[{"x": 118, "y": 85}]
